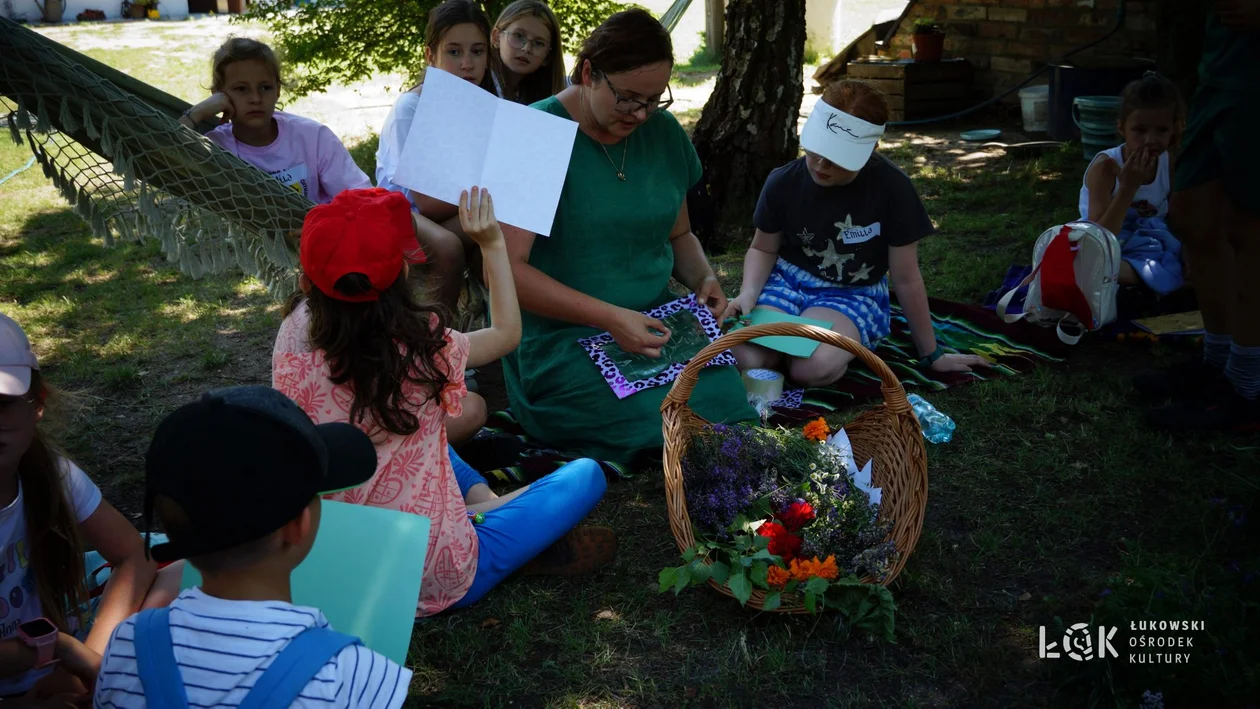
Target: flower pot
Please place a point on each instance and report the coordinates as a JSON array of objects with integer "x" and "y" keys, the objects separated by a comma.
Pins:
[
  {"x": 153, "y": 13},
  {"x": 928, "y": 47},
  {"x": 136, "y": 12}
]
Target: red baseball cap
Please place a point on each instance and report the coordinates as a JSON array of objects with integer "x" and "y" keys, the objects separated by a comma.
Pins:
[{"x": 361, "y": 231}]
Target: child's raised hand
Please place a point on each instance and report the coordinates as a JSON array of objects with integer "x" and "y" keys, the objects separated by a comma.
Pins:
[
  {"x": 476, "y": 217},
  {"x": 1140, "y": 168}
]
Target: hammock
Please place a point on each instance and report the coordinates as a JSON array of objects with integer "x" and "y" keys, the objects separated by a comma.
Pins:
[
  {"x": 115, "y": 149},
  {"x": 674, "y": 13}
]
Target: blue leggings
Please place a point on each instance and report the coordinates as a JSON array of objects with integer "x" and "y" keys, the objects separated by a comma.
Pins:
[
  {"x": 520, "y": 530},
  {"x": 465, "y": 476}
]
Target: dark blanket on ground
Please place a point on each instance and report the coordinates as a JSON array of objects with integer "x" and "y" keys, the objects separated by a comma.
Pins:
[{"x": 966, "y": 329}]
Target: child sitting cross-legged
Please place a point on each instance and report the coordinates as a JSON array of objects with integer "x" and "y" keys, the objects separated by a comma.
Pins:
[
  {"x": 360, "y": 348},
  {"x": 235, "y": 479},
  {"x": 835, "y": 229}
]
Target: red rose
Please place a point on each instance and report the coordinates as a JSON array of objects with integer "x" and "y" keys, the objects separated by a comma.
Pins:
[
  {"x": 796, "y": 515},
  {"x": 782, "y": 542}
]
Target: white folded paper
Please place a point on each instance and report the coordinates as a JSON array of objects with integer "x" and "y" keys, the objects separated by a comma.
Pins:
[
  {"x": 464, "y": 136},
  {"x": 862, "y": 478}
]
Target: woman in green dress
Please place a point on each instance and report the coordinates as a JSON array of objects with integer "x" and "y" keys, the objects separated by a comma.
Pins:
[{"x": 621, "y": 231}]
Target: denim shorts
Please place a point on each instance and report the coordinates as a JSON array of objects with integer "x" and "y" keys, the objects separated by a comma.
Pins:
[{"x": 794, "y": 290}]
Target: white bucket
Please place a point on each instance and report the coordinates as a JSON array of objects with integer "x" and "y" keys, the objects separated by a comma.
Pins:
[{"x": 1035, "y": 102}]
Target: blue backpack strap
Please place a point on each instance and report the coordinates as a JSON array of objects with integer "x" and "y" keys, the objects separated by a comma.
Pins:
[
  {"x": 295, "y": 666},
  {"x": 155, "y": 660}
]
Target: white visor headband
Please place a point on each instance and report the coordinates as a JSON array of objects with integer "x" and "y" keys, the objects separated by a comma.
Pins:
[{"x": 842, "y": 138}]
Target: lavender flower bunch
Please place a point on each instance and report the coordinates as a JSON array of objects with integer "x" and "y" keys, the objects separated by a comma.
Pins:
[{"x": 725, "y": 470}]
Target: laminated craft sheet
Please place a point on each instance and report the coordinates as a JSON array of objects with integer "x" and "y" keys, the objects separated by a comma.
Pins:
[{"x": 692, "y": 328}]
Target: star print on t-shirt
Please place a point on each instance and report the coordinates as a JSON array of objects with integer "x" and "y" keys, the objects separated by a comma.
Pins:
[
  {"x": 842, "y": 234},
  {"x": 828, "y": 258}
]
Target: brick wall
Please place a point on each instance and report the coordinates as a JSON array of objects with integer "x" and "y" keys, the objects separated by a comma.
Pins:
[{"x": 1007, "y": 39}]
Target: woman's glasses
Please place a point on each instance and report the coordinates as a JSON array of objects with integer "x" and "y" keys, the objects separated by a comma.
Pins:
[
  {"x": 630, "y": 105},
  {"x": 537, "y": 47}
]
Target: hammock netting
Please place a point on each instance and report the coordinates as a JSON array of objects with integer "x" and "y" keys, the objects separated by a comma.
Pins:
[{"x": 114, "y": 148}]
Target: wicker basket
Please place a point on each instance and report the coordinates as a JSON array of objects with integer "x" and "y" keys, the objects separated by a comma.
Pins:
[{"x": 888, "y": 433}]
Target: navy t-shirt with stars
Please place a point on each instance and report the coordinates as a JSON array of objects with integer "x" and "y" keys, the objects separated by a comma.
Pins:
[{"x": 842, "y": 234}]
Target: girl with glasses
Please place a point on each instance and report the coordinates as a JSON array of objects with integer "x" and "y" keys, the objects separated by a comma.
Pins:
[{"x": 527, "y": 63}]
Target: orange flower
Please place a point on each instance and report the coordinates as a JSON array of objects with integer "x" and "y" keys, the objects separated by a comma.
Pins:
[
  {"x": 817, "y": 430},
  {"x": 805, "y": 570},
  {"x": 778, "y": 577}
]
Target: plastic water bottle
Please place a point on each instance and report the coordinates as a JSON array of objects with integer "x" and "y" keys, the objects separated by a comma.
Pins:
[{"x": 937, "y": 427}]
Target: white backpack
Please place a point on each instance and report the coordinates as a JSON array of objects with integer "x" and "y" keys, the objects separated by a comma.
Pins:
[{"x": 1076, "y": 281}]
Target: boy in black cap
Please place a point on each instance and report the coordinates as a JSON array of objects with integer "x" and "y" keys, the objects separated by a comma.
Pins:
[{"x": 235, "y": 479}]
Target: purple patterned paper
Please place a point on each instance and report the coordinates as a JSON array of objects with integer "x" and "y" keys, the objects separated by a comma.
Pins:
[{"x": 623, "y": 387}]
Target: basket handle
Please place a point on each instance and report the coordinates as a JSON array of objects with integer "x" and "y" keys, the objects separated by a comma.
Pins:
[{"x": 894, "y": 395}]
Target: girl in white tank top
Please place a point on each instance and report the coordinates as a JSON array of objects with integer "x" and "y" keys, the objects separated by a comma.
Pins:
[
  {"x": 1150, "y": 200},
  {"x": 1126, "y": 188}
]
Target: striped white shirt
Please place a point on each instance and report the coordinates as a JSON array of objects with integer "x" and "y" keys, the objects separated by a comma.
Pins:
[{"x": 222, "y": 647}]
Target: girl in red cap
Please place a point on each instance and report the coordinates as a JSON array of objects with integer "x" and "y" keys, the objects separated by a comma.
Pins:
[{"x": 360, "y": 348}]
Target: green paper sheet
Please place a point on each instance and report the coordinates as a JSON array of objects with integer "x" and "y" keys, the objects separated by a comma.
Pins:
[
  {"x": 794, "y": 346},
  {"x": 363, "y": 572},
  {"x": 686, "y": 338}
]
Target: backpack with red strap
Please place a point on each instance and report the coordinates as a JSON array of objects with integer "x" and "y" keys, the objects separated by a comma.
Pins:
[{"x": 1074, "y": 282}]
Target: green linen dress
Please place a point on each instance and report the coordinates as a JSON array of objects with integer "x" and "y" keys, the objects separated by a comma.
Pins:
[{"x": 610, "y": 240}]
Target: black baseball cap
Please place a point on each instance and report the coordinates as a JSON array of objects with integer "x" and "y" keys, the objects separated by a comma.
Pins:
[{"x": 243, "y": 462}]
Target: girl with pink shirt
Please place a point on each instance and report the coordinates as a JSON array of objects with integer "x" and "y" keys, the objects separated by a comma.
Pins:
[
  {"x": 302, "y": 154},
  {"x": 359, "y": 348}
]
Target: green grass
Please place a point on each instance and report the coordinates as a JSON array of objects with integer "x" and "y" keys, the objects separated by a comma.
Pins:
[
  {"x": 1052, "y": 501},
  {"x": 699, "y": 68}
]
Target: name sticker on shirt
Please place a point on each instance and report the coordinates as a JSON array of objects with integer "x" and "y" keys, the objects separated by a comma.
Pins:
[
  {"x": 294, "y": 178},
  {"x": 859, "y": 234}
]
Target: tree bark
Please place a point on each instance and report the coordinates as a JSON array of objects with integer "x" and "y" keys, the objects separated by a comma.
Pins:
[{"x": 748, "y": 126}]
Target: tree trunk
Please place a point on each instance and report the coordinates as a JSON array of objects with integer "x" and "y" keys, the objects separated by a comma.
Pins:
[{"x": 748, "y": 126}]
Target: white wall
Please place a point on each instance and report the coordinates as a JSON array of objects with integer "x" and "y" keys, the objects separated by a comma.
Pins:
[
  {"x": 169, "y": 9},
  {"x": 831, "y": 24},
  {"x": 821, "y": 18}
]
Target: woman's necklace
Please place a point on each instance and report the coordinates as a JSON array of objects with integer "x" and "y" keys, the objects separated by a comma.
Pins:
[
  {"x": 625, "y": 148},
  {"x": 621, "y": 172}
]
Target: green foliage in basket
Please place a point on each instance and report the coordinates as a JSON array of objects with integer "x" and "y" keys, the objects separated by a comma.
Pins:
[{"x": 772, "y": 510}]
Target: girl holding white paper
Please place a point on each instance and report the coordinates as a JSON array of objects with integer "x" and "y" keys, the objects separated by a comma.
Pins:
[
  {"x": 620, "y": 232},
  {"x": 527, "y": 63},
  {"x": 833, "y": 228},
  {"x": 456, "y": 40}
]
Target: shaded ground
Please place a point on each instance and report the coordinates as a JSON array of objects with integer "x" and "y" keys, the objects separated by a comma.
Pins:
[{"x": 1053, "y": 501}]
